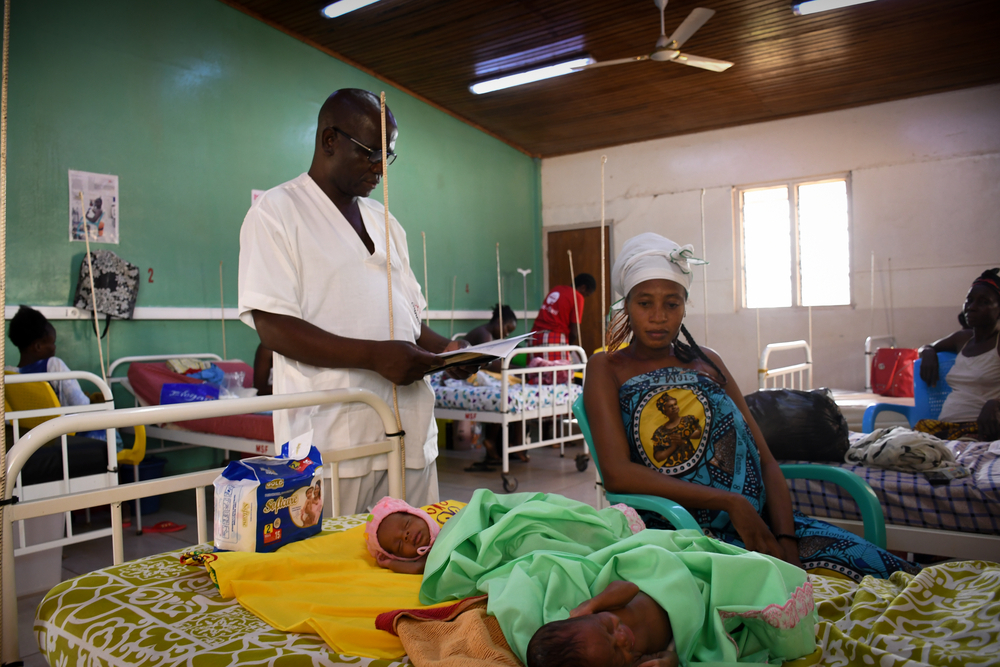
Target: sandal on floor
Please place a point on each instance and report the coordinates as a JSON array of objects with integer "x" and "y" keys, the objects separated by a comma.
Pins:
[{"x": 164, "y": 527}]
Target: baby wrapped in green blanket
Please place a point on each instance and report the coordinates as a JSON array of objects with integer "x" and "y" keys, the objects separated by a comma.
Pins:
[{"x": 490, "y": 531}]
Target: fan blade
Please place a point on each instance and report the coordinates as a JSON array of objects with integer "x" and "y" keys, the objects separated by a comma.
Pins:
[
  {"x": 605, "y": 63},
  {"x": 704, "y": 63},
  {"x": 695, "y": 20}
]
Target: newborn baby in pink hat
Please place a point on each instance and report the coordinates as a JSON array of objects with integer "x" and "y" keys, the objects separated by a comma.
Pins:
[{"x": 399, "y": 536}]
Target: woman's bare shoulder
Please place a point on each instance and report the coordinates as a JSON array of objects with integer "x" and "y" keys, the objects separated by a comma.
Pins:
[{"x": 614, "y": 368}]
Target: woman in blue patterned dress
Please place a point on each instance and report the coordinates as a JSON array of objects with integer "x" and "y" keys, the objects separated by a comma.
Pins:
[{"x": 669, "y": 420}]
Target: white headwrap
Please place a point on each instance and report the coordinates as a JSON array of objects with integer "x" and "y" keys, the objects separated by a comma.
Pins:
[{"x": 649, "y": 256}]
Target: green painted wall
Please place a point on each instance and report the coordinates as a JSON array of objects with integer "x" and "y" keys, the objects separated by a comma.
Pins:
[{"x": 193, "y": 104}]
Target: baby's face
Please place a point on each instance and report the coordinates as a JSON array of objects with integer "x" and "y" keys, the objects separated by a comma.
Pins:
[
  {"x": 401, "y": 534},
  {"x": 605, "y": 641}
]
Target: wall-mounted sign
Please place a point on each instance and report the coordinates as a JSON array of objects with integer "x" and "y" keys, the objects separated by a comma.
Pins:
[{"x": 93, "y": 207}]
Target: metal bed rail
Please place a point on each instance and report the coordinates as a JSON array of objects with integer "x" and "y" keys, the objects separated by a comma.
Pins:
[
  {"x": 796, "y": 376},
  {"x": 115, "y": 496}
]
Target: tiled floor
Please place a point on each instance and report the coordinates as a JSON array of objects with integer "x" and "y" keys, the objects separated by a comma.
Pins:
[{"x": 546, "y": 471}]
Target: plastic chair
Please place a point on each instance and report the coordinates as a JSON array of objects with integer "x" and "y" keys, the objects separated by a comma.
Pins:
[
  {"x": 927, "y": 400},
  {"x": 30, "y": 396},
  {"x": 137, "y": 453},
  {"x": 868, "y": 503}
]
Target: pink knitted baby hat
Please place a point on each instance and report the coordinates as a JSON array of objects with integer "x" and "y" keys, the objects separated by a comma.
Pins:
[{"x": 384, "y": 508}]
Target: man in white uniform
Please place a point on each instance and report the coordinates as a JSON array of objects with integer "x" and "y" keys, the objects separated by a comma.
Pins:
[{"x": 313, "y": 284}]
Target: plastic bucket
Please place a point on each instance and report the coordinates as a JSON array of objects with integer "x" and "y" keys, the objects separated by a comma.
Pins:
[{"x": 150, "y": 468}]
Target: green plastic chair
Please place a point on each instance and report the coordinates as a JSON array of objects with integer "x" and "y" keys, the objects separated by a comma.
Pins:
[{"x": 861, "y": 492}]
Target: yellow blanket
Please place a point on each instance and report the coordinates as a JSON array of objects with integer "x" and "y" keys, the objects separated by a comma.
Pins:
[{"x": 328, "y": 585}]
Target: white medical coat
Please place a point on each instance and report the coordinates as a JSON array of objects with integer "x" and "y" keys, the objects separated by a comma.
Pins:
[{"x": 299, "y": 256}]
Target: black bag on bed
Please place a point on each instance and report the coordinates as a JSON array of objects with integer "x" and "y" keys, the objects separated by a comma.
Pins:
[{"x": 800, "y": 425}]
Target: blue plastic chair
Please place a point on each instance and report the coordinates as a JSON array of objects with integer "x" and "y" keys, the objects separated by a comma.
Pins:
[
  {"x": 927, "y": 400},
  {"x": 868, "y": 503}
]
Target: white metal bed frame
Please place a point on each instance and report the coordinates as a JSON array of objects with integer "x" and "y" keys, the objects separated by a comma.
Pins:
[
  {"x": 796, "y": 376},
  {"x": 184, "y": 435},
  {"x": 900, "y": 538},
  {"x": 116, "y": 495},
  {"x": 65, "y": 485},
  {"x": 563, "y": 422}
]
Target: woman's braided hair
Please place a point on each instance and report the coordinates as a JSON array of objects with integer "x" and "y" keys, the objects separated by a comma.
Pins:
[
  {"x": 620, "y": 335},
  {"x": 687, "y": 352}
]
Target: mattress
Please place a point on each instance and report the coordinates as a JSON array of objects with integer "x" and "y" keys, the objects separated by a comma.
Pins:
[
  {"x": 970, "y": 504},
  {"x": 147, "y": 379},
  {"x": 157, "y": 611},
  {"x": 520, "y": 398}
]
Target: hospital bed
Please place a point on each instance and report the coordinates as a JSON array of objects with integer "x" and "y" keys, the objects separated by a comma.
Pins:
[
  {"x": 960, "y": 518},
  {"x": 155, "y": 610},
  {"x": 249, "y": 434},
  {"x": 526, "y": 398}
]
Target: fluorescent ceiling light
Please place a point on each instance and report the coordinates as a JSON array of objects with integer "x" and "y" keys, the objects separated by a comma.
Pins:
[
  {"x": 530, "y": 76},
  {"x": 564, "y": 48},
  {"x": 815, "y": 6},
  {"x": 336, "y": 9}
]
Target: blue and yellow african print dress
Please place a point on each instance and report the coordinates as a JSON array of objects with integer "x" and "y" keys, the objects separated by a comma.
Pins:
[{"x": 682, "y": 423}]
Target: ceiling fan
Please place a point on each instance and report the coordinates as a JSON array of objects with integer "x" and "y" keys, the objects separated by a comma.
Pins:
[{"x": 667, "y": 47}]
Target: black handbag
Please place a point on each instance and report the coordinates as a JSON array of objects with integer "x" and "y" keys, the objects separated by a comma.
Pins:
[{"x": 116, "y": 286}]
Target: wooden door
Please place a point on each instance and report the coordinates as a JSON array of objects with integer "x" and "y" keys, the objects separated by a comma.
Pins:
[{"x": 586, "y": 247}]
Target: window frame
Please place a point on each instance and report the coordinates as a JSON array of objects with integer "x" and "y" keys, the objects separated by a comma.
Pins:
[{"x": 796, "y": 264}]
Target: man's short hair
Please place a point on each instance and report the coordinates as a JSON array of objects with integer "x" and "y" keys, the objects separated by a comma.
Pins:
[
  {"x": 27, "y": 326},
  {"x": 347, "y": 101},
  {"x": 554, "y": 645},
  {"x": 585, "y": 281},
  {"x": 508, "y": 314}
]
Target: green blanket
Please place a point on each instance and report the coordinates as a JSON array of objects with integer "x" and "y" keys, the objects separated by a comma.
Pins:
[
  {"x": 492, "y": 530},
  {"x": 726, "y": 605}
]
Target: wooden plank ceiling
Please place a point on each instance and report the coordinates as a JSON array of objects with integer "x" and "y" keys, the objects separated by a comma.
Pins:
[{"x": 786, "y": 65}]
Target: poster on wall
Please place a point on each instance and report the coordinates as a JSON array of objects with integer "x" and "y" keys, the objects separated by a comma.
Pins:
[{"x": 93, "y": 207}]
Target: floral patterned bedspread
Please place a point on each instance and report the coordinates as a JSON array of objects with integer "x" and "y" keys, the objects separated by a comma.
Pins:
[
  {"x": 156, "y": 611},
  {"x": 520, "y": 398}
]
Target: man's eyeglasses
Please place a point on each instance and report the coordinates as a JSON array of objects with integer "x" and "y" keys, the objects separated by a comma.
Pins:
[{"x": 374, "y": 154}]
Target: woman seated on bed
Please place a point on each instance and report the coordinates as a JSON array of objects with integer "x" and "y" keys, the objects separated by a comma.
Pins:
[
  {"x": 669, "y": 420},
  {"x": 973, "y": 406}
]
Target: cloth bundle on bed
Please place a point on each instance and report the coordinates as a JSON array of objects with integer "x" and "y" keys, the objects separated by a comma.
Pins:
[{"x": 899, "y": 448}]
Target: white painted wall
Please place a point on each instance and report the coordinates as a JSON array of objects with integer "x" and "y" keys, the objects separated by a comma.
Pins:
[{"x": 925, "y": 183}]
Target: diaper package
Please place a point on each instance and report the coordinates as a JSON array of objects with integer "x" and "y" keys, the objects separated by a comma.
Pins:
[{"x": 263, "y": 503}]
